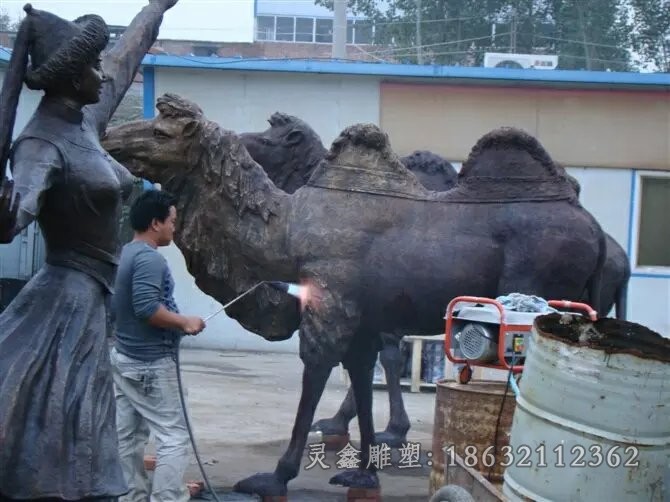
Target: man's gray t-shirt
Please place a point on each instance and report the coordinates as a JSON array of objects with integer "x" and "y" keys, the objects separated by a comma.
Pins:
[{"x": 143, "y": 283}]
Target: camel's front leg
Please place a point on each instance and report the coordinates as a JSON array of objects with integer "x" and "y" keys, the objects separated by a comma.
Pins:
[
  {"x": 314, "y": 380},
  {"x": 325, "y": 334},
  {"x": 365, "y": 476}
]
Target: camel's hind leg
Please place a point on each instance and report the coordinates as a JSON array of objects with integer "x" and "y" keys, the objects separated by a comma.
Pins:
[
  {"x": 391, "y": 358},
  {"x": 338, "y": 424},
  {"x": 395, "y": 433}
]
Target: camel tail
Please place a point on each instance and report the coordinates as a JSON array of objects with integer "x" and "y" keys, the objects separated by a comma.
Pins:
[
  {"x": 622, "y": 302},
  {"x": 594, "y": 284},
  {"x": 622, "y": 295}
]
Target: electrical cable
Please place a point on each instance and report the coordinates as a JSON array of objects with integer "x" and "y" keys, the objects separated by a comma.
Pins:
[
  {"x": 190, "y": 430},
  {"x": 276, "y": 284},
  {"x": 502, "y": 406}
]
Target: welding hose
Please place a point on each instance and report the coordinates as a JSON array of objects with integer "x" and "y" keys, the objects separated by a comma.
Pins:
[
  {"x": 282, "y": 286},
  {"x": 188, "y": 425}
]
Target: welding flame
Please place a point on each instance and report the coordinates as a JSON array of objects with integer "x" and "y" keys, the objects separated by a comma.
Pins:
[{"x": 307, "y": 293}]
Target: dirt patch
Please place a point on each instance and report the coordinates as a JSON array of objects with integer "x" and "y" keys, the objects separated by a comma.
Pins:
[{"x": 609, "y": 335}]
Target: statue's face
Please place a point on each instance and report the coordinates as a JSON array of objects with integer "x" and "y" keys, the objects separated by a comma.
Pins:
[
  {"x": 152, "y": 148},
  {"x": 89, "y": 84}
]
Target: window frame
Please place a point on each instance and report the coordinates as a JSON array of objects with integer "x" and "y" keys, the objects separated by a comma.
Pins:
[
  {"x": 274, "y": 28},
  {"x": 636, "y": 213},
  {"x": 314, "y": 19},
  {"x": 295, "y": 30}
]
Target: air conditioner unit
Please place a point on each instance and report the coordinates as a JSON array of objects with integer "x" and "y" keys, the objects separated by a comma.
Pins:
[{"x": 520, "y": 61}]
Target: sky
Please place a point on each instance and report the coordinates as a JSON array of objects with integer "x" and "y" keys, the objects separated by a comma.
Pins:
[{"x": 201, "y": 20}]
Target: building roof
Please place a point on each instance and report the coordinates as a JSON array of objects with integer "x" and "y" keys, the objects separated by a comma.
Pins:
[
  {"x": 392, "y": 71},
  {"x": 421, "y": 73}
]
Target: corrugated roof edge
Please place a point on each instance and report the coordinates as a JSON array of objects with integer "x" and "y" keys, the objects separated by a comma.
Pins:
[{"x": 392, "y": 70}]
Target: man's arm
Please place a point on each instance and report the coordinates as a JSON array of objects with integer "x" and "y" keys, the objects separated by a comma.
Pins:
[{"x": 147, "y": 289}]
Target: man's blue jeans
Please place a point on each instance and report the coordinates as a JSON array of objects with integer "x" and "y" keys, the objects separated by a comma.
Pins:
[{"x": 147, "y": 400}]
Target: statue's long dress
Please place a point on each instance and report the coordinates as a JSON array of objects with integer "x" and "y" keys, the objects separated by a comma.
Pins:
[{"x": 57, "y": 413}]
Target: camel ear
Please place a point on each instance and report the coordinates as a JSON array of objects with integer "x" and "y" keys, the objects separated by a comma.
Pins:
[
  {"x": 294, "y": 137},
  {"x": 190, "y": 128}
]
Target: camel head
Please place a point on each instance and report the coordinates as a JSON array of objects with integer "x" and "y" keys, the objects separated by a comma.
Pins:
[
  {"x": 218, "y": 186},
  {"x": 433, "y": 171},
  {"x": 288, "y": 150},
  {"x": 151, "y": 147}
]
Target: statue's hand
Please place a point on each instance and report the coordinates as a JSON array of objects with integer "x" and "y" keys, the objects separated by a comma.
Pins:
[
  {"x": 8, "y": 211},
  {"x": 165, "y": 4}
]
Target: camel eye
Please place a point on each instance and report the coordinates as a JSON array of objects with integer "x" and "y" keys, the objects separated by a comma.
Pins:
[{"x": 160, "y": 134}]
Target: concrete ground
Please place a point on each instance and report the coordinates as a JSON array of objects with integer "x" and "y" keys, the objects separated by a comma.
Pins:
[{"x": 242, "y": 407}]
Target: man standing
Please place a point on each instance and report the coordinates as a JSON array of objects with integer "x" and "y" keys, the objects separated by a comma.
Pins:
[{"x": 147, "y": 335}]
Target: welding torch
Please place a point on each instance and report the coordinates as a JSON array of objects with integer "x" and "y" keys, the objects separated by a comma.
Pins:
[{"x": 287, "y": 287}]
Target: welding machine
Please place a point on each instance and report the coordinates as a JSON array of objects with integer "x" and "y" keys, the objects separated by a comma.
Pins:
[{"x": 482, "y": 332}]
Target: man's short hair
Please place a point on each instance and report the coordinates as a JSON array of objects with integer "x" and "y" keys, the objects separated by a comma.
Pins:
[{"x": 151, "y": 204}]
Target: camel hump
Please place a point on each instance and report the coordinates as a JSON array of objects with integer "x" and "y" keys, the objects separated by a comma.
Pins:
[
  {"x": 361, "y": 160},
  {"x": 509, "y": 165},
  {"x": 509, "y": 152}
]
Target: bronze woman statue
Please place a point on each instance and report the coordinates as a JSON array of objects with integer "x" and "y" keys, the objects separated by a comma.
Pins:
[{"x": 58, "y": 434}]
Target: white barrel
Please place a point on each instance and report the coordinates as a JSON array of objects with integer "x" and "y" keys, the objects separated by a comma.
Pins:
[{"x": 589, "y": 426}]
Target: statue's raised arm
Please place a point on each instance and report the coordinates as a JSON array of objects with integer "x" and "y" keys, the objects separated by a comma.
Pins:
[{"x": 124, "y": 59}]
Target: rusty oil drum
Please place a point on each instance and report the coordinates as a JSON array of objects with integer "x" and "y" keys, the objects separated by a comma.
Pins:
[{"x": 466, "y": 416}]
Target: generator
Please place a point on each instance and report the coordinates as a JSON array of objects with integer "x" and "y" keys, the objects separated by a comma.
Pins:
[{"x": 483, "y": 332}]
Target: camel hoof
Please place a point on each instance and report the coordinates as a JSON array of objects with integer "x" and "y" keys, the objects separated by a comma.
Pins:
[
  {"x": 356, "y": 478},
  {"x": 390, "y": 439},
  {"x": 330, "y": 427},
  {"x": 263, "y": 484}
]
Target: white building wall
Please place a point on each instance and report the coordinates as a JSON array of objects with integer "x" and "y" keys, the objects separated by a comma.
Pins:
[
  {"x": 610, "y": 206},
  {"x": 608, "y": 194},
  {"x": 243, "y": 102}
]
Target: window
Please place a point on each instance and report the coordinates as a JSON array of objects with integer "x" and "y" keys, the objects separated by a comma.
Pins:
[
  {"x": 285, "y": 29},
  {"x": 265, "y": 28},
  {"x": 324, "y": 31},
  {"x": 652, "y": 246},
  {"x": 304, "y": 29},
  {"x": 310, "y": 30},
  {"x": 205, "y": 50}
]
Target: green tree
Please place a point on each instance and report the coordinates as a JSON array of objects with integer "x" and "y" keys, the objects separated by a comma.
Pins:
[
  {"x": 650, "y": 31},
  {"x": 590, "y": 34},
  {"x": 448, "y": 31},
  {"x": 6, "y": 23},
  {"x": 585, "y": 34}
]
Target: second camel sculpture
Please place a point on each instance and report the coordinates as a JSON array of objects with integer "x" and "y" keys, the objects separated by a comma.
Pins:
[
  {"x": 289, "y": 150},
  {"x": 384, "y": 253}
]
